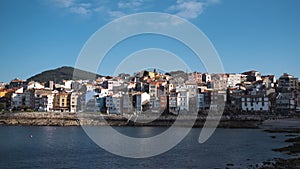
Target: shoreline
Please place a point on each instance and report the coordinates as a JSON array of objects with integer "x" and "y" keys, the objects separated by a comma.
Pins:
[
  {"x": 93, "y": 119},
  {"x": 291, "y": 129}
]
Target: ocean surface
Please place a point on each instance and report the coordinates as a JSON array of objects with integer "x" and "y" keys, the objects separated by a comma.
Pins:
[{"x": 70, "y": 147}]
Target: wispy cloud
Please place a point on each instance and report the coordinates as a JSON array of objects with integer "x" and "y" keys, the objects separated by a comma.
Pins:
[
  {"x": 188, "y": 9},
  {"x": 80, "y": 10},
  {"x": 63, "y": 3},
  {"x": 116, "y": 14},
  {"x": 130, "y": 4},
  {"x": 74, "y": 7}
]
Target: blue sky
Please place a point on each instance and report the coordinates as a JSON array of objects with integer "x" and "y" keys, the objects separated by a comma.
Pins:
[{"x": 37, "y": 35}]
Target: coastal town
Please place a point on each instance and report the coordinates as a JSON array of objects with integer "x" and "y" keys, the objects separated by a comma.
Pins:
[{"x": 150, "y": 91}]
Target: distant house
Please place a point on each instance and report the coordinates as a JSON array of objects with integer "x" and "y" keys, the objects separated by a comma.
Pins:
[
  {"x": 195, "y": 77},
  {"x": 183, "y": 100},
  {"x": 256, "y": 103},
  {"x": 43, "y": 99},
  {"x": 287, "y": 83},
  {"x": 288, "y": 89},
  {"x": 164, "y": 103},
  {"x": 252, "y": 75},
  {"x": 234, "y": 99},
  {"x": 5, "y": 103},
  {"x": 217, "y": 100},
  {"x": 127, "y": 103},
  {"x": 153, "y": 88},
  {"x": 154, "y": 104},
  {"x": 62, "y": 101},
  {"x": 188, "y": 87},
  {"x": 233, "y": 79},
  {"x": 269, "y": 81},
  {"x": 114, "y": 104},
  {"x": 218, "y": 82},
  {"x": 173, "y": 103},
  {"x": 35, "y": 85},
  {"x": 18, "y": 99},
  {"x": 288, "y": 102},
  {"x": 75, "y": 102},
  {"x": 200, "y": 102},
  {"x": 30, "y": 98},
  {"x": 17, "y": 83}
]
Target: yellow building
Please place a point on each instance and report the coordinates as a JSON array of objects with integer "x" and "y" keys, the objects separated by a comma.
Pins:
[
  {"x": 62, "y": 101},
  {"x": 3, "y": 93},
  {"x": 151, "y": 74}
]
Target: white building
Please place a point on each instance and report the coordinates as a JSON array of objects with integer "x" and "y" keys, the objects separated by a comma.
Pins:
[
  {"x": 183, "y": 100},
  {"x": 114, "y": 104},
  {"x": 50, "y": 100},
  {"x": 189, "y": 87},
  {"x": 68, "y": 84},
  {"x": 255, "y": 103},
  {"x": 17, "y": 100},
  {"x": 35, "y": 85},
  {"x": 74, "y": 102},
  {"x": 90, "y": 87},
  {"x": 192, "y": 89},
  {"x": 233, "y": 79}
]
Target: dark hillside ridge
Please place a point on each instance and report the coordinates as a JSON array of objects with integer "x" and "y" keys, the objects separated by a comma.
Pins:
[{"x": 63, "y": 73}]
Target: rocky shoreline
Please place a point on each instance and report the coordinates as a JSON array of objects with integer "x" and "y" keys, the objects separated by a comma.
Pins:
[
  {"x": 291, "y": 127},
  {"x": 78, "y": 119}
]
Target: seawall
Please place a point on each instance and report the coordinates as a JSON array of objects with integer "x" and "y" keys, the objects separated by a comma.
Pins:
[{"x": 78, "y": 119}]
